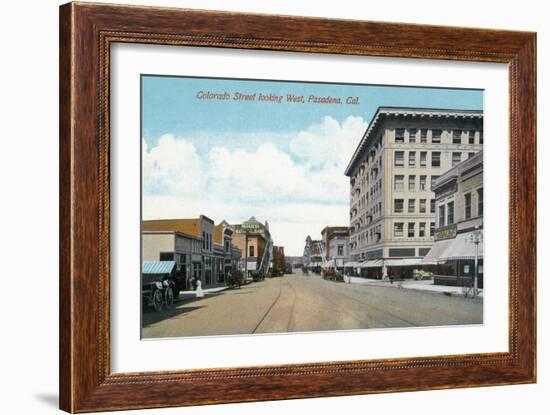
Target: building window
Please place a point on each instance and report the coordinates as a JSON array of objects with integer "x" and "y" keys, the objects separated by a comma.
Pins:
[
  {"x": 436, "y": 159},
  {"x": 441, "y": 216},
  {"x": 251, "y": 250},
  {"x": 423, "y": 135},
  {"x": 432, "y": 181},
  {"x": 467, "y": 206},
  {"x": 410, "y": 231},
  {"x": 480, "y": 202},
  {"x": 422, "y": 184},
  {"x": 450, "y": 213},
  {"x": 412, "y": 135},
  {"x": 436, "y": 136},
  {"x": 412, "y": 183},
  {"x": 423, "y": 158},
  {"x": 457, "y": 137},
  {"x": 166, "y": 256},
  {"x": 398, "y": 183},
  {"x": 399, "y": 158},
  {"x": 412, "y": 205},
  {"x": 432, "y": 206},
  {"x": 470, "y": 155},
  {"x": 412, "y": 158},
  {"x": 422, "y": 229},
  {"x": 432, "y": 229},
  {"x": 422, "y": 207},
  {"x": 398, "y": 229},
  {"x": 204, "y": 240},
  {"x": 456, "y": 158},
  {"x": 399, "y": 135},
  {"x": 398, "y": 205},
  {"x": 471, "y": 137},
  {"x": 340, "y": 250}
]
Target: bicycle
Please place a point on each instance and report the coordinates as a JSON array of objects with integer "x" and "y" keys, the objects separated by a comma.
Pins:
[{"x": 469, "y": 291}]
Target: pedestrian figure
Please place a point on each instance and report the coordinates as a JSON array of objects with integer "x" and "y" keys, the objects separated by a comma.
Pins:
[
  {"x": 391, "y": 279},
  {"x": 199, "y": 293}
]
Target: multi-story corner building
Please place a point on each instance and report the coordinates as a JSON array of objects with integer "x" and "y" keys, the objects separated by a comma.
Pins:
[
  {"x": 336, "y": 245},
  {"x": 459, "y": 231},
  {"x": 254, "y": 241},
  {"x": 392, "y": 207},
  {"x": 202, "y": 229}
]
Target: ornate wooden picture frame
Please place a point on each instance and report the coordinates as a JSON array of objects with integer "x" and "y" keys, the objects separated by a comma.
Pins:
[{"x": 87, "y": 32}]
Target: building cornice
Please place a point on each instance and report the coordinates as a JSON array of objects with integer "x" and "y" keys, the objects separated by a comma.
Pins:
[{"x": 404, "y": 112}]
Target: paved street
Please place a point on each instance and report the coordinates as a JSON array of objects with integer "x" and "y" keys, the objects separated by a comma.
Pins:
[{"x": 295, "y": 303}]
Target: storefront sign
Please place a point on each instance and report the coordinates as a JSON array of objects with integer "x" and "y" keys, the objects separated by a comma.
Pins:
[
  {"x": 250, "y": 228},
  {"x": 445, "y": 233}
]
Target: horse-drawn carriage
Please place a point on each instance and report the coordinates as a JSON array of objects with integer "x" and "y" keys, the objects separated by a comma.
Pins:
[
  {"x": 158, "y": 284},
  {"x": 234, "y": 280}
]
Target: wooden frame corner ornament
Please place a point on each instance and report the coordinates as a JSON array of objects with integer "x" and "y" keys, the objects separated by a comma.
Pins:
[{"x": 86, "y": 33}]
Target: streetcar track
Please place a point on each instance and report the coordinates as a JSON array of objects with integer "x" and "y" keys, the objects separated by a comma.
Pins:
[
  {"x": 269, "y": 309},
  {"x": 382, "y": 311},
  {"x": 289, "y": 324}
]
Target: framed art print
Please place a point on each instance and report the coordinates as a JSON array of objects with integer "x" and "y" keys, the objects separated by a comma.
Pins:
[{"x": 261, "y": 207}]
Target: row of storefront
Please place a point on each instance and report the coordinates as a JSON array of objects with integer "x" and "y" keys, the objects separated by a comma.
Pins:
[
  {"x": 206, "y": 252},
  {"x": 456, "y": 256},
  {"x": 200, "y": 250}
]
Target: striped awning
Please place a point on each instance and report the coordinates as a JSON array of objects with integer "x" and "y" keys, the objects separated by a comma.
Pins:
[
  {"x": 157, "y": 267},
  {"x": 372, "y": 263},
  {"x": 462, "y": 248},
  {"x": 404, "y": 262},
  {"x": 438, "y": 248}
]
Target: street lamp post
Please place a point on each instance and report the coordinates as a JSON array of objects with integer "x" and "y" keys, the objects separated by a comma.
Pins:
[
  {"x": 476, "y": 237},
  {"x": 245, "y": 256}
]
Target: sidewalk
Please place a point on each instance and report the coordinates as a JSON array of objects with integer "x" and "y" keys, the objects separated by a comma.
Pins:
[
  {"x": 185, "y": 295},
  {"x": 421, "y": 285}
]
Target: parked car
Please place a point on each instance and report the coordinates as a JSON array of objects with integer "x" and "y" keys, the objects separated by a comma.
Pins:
[{"x": 419, "y": 274}]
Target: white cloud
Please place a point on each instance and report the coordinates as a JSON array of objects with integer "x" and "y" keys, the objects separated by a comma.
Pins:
[
  {"x": 299, "y": 190},
  {"x": 171, "y": 167},
  {"x": 329, "y": 143}
]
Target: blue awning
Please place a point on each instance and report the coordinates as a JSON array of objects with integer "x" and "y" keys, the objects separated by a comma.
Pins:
[{"x": 157, "y": 267}]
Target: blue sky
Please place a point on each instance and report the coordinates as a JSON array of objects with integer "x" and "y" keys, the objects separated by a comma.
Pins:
[
  {"x": 280, "y": 162},
  {"x": 169, "y": 105}
]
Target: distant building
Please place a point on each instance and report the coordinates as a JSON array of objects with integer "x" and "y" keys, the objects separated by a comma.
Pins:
[
  {"x": 336, "y": 244},
  {"x": 279, "y": 265},
  {"x": 201, "y": 229},
  {"x": 293, "y": 262},
  {"x": 459, "y": 207},
  {"x": 182, "y": 248},
  {"x": 314, "y": 258},
  {"x": 254, "y": 241},
  {"x": 392, "y": 208},
  {"x": 223, "y": 247}
]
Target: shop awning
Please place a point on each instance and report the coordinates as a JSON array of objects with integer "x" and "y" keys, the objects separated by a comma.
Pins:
[
  {"x": 462, "y": 248},
  {"x": 402, "y": 262},
  {"x": 438, "y": 248},
  {"x": 371, "y": 263},
  {"x": 157, "y": 267},
  {"x": 351, "y": 264}
]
